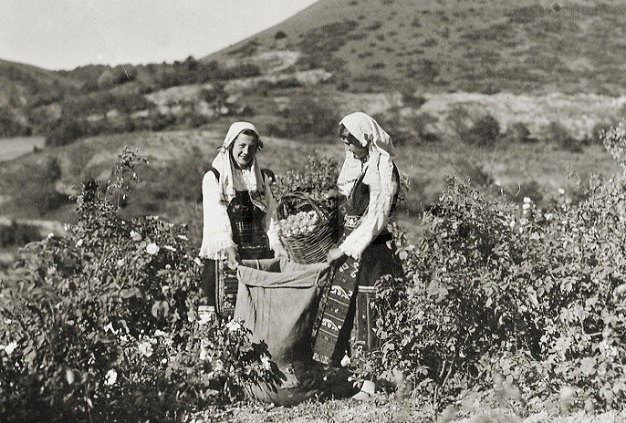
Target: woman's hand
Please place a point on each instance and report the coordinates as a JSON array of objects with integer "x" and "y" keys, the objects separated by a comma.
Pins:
[
  {"x": 334, "y": 256},
  {"x": 232, "y": 257}
]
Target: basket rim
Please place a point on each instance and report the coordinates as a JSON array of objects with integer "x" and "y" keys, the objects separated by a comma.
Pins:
[{"x": 322, "y": 210}]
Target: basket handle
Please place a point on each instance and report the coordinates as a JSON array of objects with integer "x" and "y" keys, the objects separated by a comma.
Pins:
[{"x": 301, "y": 196}]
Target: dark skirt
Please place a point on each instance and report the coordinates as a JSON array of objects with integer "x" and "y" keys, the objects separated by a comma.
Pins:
[{"x": 338, "y": 319}]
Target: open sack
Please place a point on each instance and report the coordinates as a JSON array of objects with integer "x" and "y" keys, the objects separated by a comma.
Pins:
[{"x": 278, "y": 300}]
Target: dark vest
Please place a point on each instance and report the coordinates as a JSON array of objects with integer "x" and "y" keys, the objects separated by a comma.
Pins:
[
  {"x": 354, "y": 206},
  {"x": 246, "y": 221}
]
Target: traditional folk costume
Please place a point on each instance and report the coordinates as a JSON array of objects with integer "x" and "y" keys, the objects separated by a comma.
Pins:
[
  {"x": 239, "y": 211},
  {"x": 370, "y": 187}
]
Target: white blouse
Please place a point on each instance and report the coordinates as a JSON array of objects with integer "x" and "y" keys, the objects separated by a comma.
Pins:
[
  {"x": 217, "y": 233},
  {"x": 377, "y": 214}
]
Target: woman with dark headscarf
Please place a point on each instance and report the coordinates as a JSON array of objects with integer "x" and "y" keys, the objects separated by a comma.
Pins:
[
  {"x": 369, "y": 183},
  {"x": 239, "y": 214}
]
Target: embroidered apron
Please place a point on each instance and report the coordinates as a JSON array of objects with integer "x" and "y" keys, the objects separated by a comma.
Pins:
[{"x": 339, "y": 304}]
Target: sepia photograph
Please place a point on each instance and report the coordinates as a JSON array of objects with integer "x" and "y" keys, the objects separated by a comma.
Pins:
[{"x": 305, "y": 211}]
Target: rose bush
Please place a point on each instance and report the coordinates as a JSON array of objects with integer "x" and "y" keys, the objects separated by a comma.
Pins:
[
  {"x": 101, "y": 324},
  {"x": 523, "y": 303}
]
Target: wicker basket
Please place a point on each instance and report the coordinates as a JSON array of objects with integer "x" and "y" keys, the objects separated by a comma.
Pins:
[{"x": 312, "y": 247}]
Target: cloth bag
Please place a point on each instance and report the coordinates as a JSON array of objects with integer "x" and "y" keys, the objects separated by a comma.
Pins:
[{"x": 278, "y": 300}]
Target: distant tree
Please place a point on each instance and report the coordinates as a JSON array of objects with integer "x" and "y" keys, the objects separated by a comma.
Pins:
[
  {"x": 65, "y": 131},
  {"x": 11, "y": 126},
  {"x": 485, "y": 132},
  {"x": 124, "y": 74},
  {"x": 518, "y": 133},
  {"x": 308, "y": 116}
]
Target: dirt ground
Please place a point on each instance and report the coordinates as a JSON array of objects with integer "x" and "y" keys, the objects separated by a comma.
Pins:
[{"x": 385, "y": 409}]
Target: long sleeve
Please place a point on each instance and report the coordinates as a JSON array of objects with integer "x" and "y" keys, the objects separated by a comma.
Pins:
[
  {"x": 382, "y": 194},
  {"x": 271, "y": 226},
  {"x": 217, "y": 232}
]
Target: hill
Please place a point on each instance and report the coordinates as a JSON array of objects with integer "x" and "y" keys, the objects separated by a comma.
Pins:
[
  {"x": 527, "y": 46},
  {"x": 381, "y": 56},
  {"x": 24, "y": 87}
]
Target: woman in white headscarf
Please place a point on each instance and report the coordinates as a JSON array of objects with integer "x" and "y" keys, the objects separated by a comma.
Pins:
[
  {"x": 239, "y": 214},
  {"x": 369, "y": 182}
]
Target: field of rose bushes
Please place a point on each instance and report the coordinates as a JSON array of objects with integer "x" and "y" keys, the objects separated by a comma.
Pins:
[{"x": 521, "y": 305}]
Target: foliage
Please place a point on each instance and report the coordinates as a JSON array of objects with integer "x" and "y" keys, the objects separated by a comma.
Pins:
[
  {"x": 10, "y": 125},
  {"x": 560, "y": 136},
  {"x": 37, "y": 195},
  {"x": 484, "y": 132},
  {"x": 518, "y": 133},
  {"x": 318, "y": 44},
  {"x": 318, "y": 179},
  {"x": 529, "y": 303},
  {"x": 18, "y": 234},
  {"x": 462, "y": 298},
  {"x": 307, "y": 115},
  {"x": 101, "y": 324}
]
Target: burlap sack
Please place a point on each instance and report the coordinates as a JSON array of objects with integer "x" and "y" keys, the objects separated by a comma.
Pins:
[{"x": 277, "y": 300}]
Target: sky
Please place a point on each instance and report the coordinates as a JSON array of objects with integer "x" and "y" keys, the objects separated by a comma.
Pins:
[{"x": 64, "y": 34}]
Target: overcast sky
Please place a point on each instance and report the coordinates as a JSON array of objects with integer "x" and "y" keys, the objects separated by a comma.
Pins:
[{"x": 63, "y": 34}]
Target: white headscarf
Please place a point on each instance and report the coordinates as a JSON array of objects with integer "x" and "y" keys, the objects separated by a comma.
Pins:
[
  {"x": 379, "y": 166},
  {"x": 224, "y": 164}
]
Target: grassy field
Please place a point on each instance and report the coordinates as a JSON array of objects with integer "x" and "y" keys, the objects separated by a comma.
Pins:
[{"x": 11, "y": 148}]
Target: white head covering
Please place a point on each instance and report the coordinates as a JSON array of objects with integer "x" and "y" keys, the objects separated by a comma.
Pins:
[
  {"x": 224, "y": 164},
  {"x": 379, "y": 167},
  {"x": 365, "y": 129}
]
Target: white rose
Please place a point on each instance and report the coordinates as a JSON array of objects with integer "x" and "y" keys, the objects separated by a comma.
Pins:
[
  {"x": 110, "y": 378},
  {"x": 152, "y": 249},
  {"x": 145, "y": 349},
  {"x": 10, "y": 348},
  {"x": 233, "y": 325},
  {"x": 265, "y": 362}
]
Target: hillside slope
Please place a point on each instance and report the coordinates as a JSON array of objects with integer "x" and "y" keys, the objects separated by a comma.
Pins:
[
  {"x": 23, "y": 87},
  {"x": 526, "y": 46}
]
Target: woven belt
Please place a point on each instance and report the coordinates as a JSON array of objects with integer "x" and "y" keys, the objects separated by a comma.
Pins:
[{"x": 246, "y": 227}]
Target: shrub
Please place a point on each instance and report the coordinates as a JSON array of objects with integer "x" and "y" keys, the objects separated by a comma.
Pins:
[
  {"x": 485, "y": 132},
  {"x": 598, "y": 132},
  {"x": 524, "y": 306},
  {"x": 318, "y": 179},
  {"x": 306, "y": 115},
  {"x": 409, "y": 99},
  {"x": 518, "y": 133},
  {"x": 561, "y": 137},
  {"x": 318, "y": 45},
  {"x": 101, "y": 325},
  {"x": 11, "y": 126},
  {"x": 18, "y": 234},
  {"x": 475, "y": 174},
  {"x": 67, "y": 130},
  {"x": 396, "y": 127},
  {"x": 37, "y": 192},
  {"x": 530, "y": 189}
]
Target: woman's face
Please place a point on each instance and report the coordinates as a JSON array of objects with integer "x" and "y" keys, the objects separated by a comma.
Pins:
[
  {"x": 244, "y": 150},
  {"x": 352, "y": 144}
]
